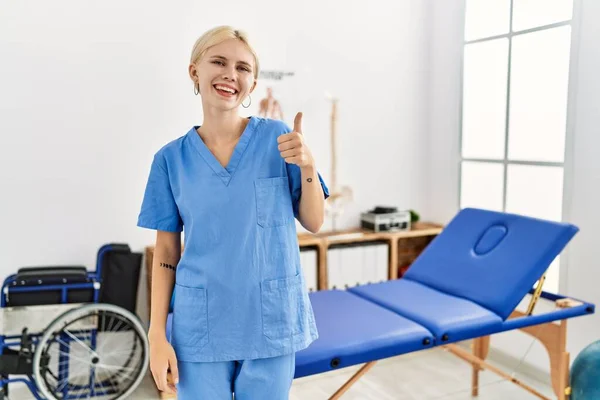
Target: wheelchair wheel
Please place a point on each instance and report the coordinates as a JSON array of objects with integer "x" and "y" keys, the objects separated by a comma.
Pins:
[{"x": 92, "y": 350}]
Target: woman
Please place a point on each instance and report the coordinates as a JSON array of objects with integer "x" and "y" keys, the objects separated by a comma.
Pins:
[{"x": 234, "y": 186}]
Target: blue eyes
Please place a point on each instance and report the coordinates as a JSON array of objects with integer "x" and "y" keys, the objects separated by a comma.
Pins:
[{"x": 222, "y": 63}]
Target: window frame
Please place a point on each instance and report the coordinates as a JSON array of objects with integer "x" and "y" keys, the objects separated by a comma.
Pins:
[{"x": 567, "y": 163}]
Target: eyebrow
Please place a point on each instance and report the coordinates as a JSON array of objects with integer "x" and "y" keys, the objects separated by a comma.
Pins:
[{"x": 241, "y": 62}]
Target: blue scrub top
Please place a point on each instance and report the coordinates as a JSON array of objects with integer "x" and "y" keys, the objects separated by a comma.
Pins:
[{"x": 240, "y": 291}]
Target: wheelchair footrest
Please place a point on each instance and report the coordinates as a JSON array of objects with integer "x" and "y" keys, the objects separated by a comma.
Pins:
[{"x": 13, "y": 363}]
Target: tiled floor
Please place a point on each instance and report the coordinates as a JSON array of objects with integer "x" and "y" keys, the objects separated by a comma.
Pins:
[{"x": 426, "y": 375}]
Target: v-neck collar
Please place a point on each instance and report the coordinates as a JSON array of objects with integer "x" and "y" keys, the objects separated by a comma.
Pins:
[{"x": 225, "y": 173}]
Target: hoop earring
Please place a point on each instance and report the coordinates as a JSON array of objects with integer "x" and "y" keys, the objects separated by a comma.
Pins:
[
  {"x": 248, "y": 104},
  {"x": 196, "y": 91}
]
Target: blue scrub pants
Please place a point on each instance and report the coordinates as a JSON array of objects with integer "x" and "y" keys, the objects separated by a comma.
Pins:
[{"x": 265, "y": 378}]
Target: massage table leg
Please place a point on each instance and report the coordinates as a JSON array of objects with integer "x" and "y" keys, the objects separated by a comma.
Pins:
[
  {"x": 563, "y": 376},
  {"x": 481, "y": 348},
  {"x": 363, "y": 370},
  {"x": 553, "y": 336}
]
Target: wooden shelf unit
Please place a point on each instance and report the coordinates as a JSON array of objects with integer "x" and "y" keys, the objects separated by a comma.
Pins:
[{"x": 403, "y": 246}]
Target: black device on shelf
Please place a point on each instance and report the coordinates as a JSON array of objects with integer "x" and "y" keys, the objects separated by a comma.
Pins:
[{"x": 385, "y": 218}]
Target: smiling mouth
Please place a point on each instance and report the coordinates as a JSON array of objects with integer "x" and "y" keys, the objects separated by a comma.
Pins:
[{"x": 225, "y": 91}]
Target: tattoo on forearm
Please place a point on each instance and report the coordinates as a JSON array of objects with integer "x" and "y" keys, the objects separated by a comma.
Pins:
[
  {"x": 309, "y": 179},
  {"x": 168, "y": 266}
]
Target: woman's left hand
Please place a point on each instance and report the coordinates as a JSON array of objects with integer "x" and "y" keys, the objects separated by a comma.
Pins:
[{"x": 292, "y": 146}]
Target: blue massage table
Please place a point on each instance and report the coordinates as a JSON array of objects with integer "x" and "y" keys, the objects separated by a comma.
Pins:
[{"x": 465, "y": 285}]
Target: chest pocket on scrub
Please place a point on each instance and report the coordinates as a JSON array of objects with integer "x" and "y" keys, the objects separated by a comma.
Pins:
[{"x": 273, "y": 202}]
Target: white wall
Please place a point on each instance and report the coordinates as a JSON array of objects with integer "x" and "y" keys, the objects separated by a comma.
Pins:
[
  {"x": 579, "y": 274},
  {"x": 443, "y": 113},
  {"x": 90, "y": 90},
  {"x": 583, "y": 273}
]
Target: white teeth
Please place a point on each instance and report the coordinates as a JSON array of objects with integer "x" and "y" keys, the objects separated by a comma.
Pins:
[{"x": 225, "y": 89}]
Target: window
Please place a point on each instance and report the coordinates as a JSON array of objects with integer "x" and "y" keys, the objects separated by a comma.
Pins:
[{"x": 514, "y": 108}]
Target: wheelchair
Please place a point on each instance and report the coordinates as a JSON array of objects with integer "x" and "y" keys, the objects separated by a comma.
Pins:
[{"x": 70, "y": 333}]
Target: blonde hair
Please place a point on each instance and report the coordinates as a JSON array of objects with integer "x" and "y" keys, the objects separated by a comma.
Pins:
[{"x": 217, "y": 35}]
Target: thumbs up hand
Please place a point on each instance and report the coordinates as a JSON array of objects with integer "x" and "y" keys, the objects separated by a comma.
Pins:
[{"x": 292, "y": 147}]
